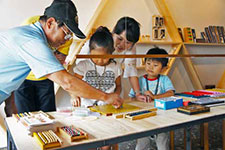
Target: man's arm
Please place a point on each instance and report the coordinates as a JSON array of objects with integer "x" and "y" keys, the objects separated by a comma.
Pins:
[{"x": 80, "y": 88}]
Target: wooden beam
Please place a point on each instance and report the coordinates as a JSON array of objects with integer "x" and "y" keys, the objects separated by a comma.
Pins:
[
  {"x": 87, "y": 31},
  {"x": 191, "y": 70},
  {"x": 151, "y": 56},
  {"x": 169, "y": 22},
  {"x": 221, "y": 83},
  {"x": 172, "y": 60}
]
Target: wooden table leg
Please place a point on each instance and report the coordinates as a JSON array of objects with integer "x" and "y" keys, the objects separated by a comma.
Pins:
[
  {"x": 206, "y": 136},
  {"x": 223, "y": 134},
  {"x": 115, "y": 147},
  {"x": 185, "y": 139},
  {"x": 201, "y": 135},
  {"x": 187, "y": 142},
  {"x": 171, "y": 140}
]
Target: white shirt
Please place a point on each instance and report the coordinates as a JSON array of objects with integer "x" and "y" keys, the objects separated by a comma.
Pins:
[{"x": 100, "y": 77}]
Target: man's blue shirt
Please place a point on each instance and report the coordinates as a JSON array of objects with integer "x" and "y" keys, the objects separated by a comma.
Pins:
[{"x": 23, "y": 49}]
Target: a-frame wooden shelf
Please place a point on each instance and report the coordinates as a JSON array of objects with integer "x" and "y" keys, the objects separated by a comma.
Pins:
[{"x": 178, "y": 46}]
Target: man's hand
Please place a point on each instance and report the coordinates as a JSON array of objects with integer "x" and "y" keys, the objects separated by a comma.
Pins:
[
  {"x": 75, "y": 101},
  {"x": 114, "y": 99}
]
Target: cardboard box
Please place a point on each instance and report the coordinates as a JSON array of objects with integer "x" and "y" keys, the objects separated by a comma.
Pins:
[{"x": 168, "y": 102}]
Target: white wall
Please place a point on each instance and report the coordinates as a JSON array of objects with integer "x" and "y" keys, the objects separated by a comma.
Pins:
[
  {"x": 13, "y": 12},
  {"x": 197, "y": 13}
]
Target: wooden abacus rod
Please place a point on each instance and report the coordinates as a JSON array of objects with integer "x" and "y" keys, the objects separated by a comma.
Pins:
[{"x": 150, "y": 56}]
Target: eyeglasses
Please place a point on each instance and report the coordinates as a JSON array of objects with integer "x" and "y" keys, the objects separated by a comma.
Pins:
[
  {"x": 56, "y": 52},
  {"x": 67, "y": 36}
]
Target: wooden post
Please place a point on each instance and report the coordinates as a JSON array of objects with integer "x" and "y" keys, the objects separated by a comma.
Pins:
[
  {"x": 201, "y": 135},
  {"x": 223, "y": 134},
  {"x": 221, "y": 83},
  {"x": 172, "y": 60},
  {"x": 189, "y": 67},
  {"x": 185, "y": 139},
  {"x": 206, "y": 136},
  {"x": 171, "y": 140}
]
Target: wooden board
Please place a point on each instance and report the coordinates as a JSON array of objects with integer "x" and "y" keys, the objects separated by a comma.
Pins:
[{"x": 110, "y": 110}]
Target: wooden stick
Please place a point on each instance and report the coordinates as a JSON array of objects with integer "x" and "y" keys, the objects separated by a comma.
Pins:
[
  {"x": 53, "y": 133},
  {"x": 42, "y": 138},
  {"x": 150, "y": 56}
]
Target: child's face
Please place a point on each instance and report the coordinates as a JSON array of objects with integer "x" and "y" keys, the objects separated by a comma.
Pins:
[
  {"x": 153, "y": 68},
  {"x": 100, "y": 61}
]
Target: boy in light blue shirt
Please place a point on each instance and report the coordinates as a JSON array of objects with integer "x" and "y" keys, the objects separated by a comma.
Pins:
[{"x": 154, "y": 86}]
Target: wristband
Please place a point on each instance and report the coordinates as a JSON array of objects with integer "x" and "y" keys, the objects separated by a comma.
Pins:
[{"x": 137, "y": 92}]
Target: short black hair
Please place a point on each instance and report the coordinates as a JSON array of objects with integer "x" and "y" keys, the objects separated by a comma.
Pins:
[
  {"x": 155, "y": 51},
  {"x": 45, "y": 18},
  {"x": 131, "y": 26},
  {"x": 102, "y": 38}
]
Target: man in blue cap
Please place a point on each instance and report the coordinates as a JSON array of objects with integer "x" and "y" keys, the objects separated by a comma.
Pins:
[{"x": 26, "y": 48}]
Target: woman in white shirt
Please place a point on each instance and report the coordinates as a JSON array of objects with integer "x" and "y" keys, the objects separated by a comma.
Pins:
[{"x": 125, "y": 35}]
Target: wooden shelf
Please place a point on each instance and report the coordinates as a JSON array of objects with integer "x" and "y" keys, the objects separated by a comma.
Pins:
[
  {"x": 158, "y": 42},
  {"x": 206, "y": 44}
]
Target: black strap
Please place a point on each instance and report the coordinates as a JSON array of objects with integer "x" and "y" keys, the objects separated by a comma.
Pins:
[{"x": 157, "y": 85}]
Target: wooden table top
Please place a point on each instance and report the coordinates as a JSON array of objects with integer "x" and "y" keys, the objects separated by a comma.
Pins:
[{"x": 107, "y": 129}]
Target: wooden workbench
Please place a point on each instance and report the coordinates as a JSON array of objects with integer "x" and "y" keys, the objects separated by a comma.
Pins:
[{"x": 107, "y": 130}]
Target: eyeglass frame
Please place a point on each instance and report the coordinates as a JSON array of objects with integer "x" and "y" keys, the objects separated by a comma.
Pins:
[{"x": 67, "y": 36}]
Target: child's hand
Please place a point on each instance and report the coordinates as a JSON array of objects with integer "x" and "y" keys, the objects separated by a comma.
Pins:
[
  {"x": 75, "y": 101},
  {"x": 149, "y": 96},
  {"x": 141, "y": 98}
]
